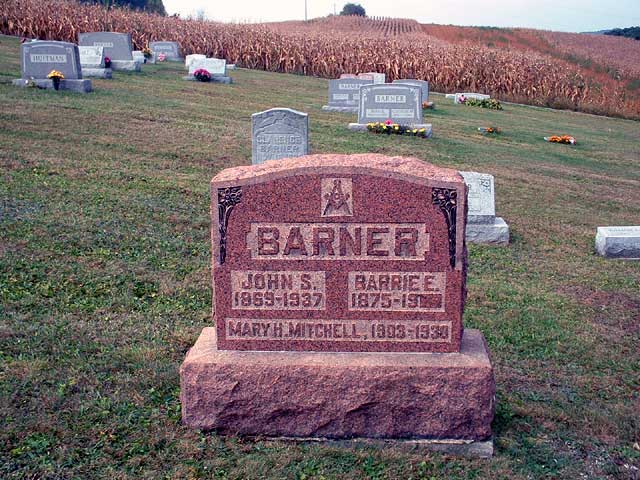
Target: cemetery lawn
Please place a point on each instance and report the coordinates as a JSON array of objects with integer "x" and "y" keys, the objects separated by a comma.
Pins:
[{"x": 105, "y": 280}]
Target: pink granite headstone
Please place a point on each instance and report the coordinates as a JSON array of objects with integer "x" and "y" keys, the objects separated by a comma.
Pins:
[{"x": 363, "y": 255}]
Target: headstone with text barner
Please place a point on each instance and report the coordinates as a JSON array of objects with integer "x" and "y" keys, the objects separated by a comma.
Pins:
[
  {"x": 41, "y": 57},
  {"x": 117, "y": 47},
  {"x": 398, "y": 103},
  {"x": 482, "y": 224},
  {"x": 344, "y": 94},
  {"x": 279, "y": 133},
  {"x": 350, "y": 254},
  {"x": 171, "y": 50}
]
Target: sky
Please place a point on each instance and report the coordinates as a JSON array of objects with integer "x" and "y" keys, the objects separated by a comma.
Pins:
[{"x": 561, "y": 15}]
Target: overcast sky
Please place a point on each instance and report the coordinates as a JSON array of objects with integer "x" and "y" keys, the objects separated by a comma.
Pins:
[{"x": 563, "y": 15}]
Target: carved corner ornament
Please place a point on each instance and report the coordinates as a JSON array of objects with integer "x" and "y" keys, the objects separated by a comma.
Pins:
[
  {"x": 447, "y": 200},
  {"x": 227, "y": 199}
]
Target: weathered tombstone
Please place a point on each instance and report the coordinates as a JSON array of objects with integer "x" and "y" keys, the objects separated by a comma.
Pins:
[
  {"x": 191, "y": 58},
  {"x": 217, "y": 68},
  {"x": 423, "y": 84},
  {"x": 401, "y": 104},
  {"x": 348, "y": 75},
  {"x": 171, "y": 50},
  {"x": 39, "y": 58},
  {"x": 340, "y": 255},
  {"x": 138, "y": 57},
  {"x": 117, "y": 47},
  {"x": 92, "y": 61},
  {"x": 344, "y": 94},
  {"x": 279, "y": 133},
  {"x": 377, "y": 78},
  {"x": 482, "y": 224},
  {"x": 476, "y": 96},
  {"x": 619, "y": 242}
]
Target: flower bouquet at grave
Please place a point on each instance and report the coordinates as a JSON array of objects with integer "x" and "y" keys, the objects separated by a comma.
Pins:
[
  {"x": 391, "y": 128},
  {"x": 56, "y": 77},
  {"x": 428, "y": 105},
  {"x": 490, "y": 103},
  {"x": 489, "y": 130},
  {"x": 162, "y": 57},
  {"x": 202, "y": 75},
  {"x": 566, "y": 139},
  {"x": 146, "y": 51},
  {"x": 107, "y": 62}
]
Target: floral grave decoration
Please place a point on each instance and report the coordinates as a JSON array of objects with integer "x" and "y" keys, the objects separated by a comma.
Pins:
[
  {"x": 490, "y": 103},
  {"x": 162, "y": 57},
  {"x": 566, "y": 139},
  {"x": 146, "y": 51},
  {"x": 56, "y": 77},
  {"x": 489, "y": 130},
  {"x": 202, "y": 75},
  {"x": 389, "y": 128},
  {"x": 428, "y": 106},
  {"x": 107, "y": 62}
]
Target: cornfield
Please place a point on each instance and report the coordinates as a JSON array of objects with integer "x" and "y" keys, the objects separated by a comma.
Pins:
[{"x": 335, "y": 45}]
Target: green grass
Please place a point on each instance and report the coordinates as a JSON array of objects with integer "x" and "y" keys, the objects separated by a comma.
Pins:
[{"x": 105, "y": 280}]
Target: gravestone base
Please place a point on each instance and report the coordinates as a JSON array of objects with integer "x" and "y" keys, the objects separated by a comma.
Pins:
[
  {"x": 214, "y": 79},
  {"x": 494, "y": 233},
  {"x": 97, "y": 72},
  {"x": 362, "y": 127},
  {"x": 329, "y": 108},
  {"x": 447, "y": 398},
  {"x": 79, "y": 86},
  {"x": 125, "y": 65}
]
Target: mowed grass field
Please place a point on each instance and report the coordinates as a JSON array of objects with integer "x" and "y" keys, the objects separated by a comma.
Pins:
[{"x": 105, "y": 280}]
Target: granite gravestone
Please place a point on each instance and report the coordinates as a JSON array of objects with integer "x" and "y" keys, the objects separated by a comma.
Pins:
[
  {"x": 171, "y": 50},
  {"x": 424, "y": 86},
  {"x": 482, "y": 224},
  {"x": 349, "y": 254},
  {"x": 377, "y": 78},
  {"x": 215, "y": 66},
  {"x": 92, "y": 61},
  {"x": 39, "y": 58},
  {"x": 344, "y": 94},
  {"x": 117, "y": 47},
  {"x": 191, "y": 58},
  {"x": 398, "y": 103},
  {"x": 279, "y": 133},
  {"x": 619, "y": 242}
]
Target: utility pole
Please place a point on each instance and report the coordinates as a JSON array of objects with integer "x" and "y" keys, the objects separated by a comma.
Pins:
[{"x": 305, "y": 10}]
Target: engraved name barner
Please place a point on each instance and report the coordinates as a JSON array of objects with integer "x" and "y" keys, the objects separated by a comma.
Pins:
[
  {"x": 391, "y": 99},
  {"x": 329, "y": 241}
]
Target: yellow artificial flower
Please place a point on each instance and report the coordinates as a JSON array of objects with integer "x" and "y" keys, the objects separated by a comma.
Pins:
[{"x": 55, "y": 74}]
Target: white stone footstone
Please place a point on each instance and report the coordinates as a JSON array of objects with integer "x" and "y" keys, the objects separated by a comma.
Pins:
[{"x": 618, "y": 242}]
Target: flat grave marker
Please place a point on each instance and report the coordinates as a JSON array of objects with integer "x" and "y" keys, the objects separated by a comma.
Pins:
[{"x": 619, "y": 242}]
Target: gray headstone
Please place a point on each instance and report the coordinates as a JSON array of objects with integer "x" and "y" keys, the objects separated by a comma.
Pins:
[
  {"x": 345, "y": 92},
  {"x": 117, "y": 46},
  {"x": 215, "y": 66},
  {"x": 91, "y": 57},
  {"x": 481, "y": 198},
  {"x": 399, "y": 103},
  {"x": 40, "y": 57},
  {"x": 279, "y": 133},
  {"x": 423, "y": 84},
  {"x": 376, "y": 77},
  {"x": 138, "y": 56},
  {"x": 618, "y": 242},
  {"x": 170, "y": 49}
]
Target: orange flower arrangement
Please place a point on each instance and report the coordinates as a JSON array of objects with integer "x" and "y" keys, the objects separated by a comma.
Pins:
[{"x": 566, "y": 139}]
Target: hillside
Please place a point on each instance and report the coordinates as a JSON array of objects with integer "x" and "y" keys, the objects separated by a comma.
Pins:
[
  {"x": 105, "y": 280},
  {"x": 520, "y": 66}
]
